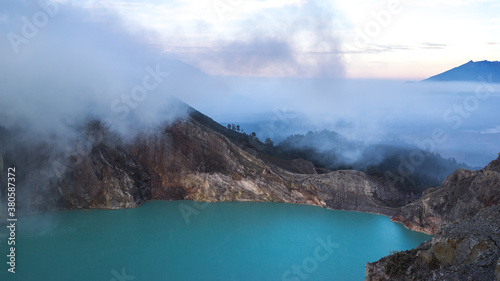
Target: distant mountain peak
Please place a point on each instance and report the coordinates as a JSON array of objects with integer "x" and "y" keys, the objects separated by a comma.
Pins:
[{"x": 470, "y": 71}]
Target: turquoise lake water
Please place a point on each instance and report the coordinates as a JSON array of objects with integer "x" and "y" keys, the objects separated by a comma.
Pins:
[{"x": 184, "y": 240}]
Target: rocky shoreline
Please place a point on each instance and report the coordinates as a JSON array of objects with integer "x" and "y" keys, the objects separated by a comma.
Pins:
[
  {"x": 467, "y": 249},
  {"x": 464, "y": 215},
  {"x": 460, "y": 196}
]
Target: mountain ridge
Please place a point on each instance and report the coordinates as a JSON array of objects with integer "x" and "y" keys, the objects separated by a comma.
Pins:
[
  {"x": 193, "y": 158},
  {"x": 483, "y": 71}
]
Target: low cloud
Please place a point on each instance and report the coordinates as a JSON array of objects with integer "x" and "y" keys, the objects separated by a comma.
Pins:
[
  {"x": 68, "y": 68},
  {"x": 299, "y": 40}
]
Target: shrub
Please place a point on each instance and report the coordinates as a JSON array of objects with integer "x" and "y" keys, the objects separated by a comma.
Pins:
[{"x": 398, "y": 262}]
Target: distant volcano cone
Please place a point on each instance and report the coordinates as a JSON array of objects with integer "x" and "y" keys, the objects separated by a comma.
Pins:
[{"x": 488, "y": 71}]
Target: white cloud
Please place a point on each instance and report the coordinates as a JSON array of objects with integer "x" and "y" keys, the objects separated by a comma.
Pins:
[
  {"x": 494, "y": 130},
  {"x": 192, "y": 30}
]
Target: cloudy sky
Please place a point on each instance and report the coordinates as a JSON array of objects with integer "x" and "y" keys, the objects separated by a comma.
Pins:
[
  {"x": 389, "y": 39},
  {"x": 243, "y": 61}
]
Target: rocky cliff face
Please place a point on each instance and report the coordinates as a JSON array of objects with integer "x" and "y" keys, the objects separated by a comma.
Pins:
[
  {"x": 464, "y": 215},
  {"x": 189, "y": 160},
  {"x": 467, "y": 249},
  {"x": 460, "y": 196},
  {"x": 193, "y": 158}
]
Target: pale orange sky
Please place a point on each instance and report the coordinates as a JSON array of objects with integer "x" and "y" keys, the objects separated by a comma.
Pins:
[{"x": 392, "y": 39}]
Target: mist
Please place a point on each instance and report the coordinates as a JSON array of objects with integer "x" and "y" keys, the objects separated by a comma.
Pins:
[
  {"x": 61, "y": 69},
  {"x": 73, "y": 69},
  {"x": 457, "y": 120},
  {"x": 79, "y": 65}
]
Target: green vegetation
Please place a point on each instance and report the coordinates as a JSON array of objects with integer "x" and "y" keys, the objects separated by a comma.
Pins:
[{"x": 398, "y": 262}]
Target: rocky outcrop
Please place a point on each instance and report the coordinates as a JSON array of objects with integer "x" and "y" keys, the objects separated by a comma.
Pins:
[
  {"x": 188, "y": 160},
  {"x": 467, "y": 249},
  {"x": 193, "y": 158},
  {"x": 303, "y": 166},
  {"x": 348, "y": 190},
  {"x": 464, "y": 215},
  {"x": 460, "y": 196}
]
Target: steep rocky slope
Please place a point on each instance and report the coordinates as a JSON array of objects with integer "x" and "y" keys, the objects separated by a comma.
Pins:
[
  {"x": 460, "y": 196},
  {"x": 191, "y": 158},
  {"x": 468, "y": 249},
  {"x": 464, "y": 215}
]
